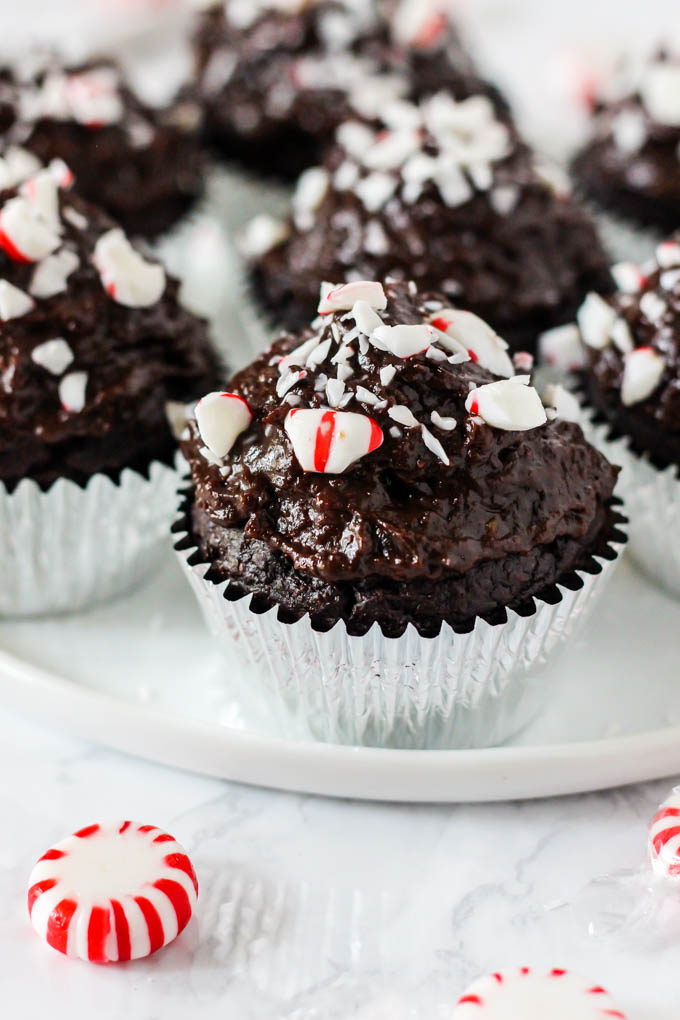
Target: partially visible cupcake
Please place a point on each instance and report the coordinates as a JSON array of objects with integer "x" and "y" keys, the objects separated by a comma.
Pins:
[
  {"x": 276, "y": 78},
  {"x": 632, "y": 377},
  {"x": 93, "y": 346},
  {"x": 386, "y": 518},
  {"x": 144, "y": 166},
  {"x": 631, "y": 165},
  {"x": 444, "y": 193}
]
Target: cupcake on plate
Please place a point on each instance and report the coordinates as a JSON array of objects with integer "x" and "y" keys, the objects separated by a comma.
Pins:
[
  {"x": 631, "y": 165},
  {"x": 144, "y": 166},
  {"x": 632, "y": 380},
  {"x": 276, "y": 78},
  {"x": 387, "y": 520},
  {"x": 93, "y": 346},
  {"x": 444, "y": 193}
]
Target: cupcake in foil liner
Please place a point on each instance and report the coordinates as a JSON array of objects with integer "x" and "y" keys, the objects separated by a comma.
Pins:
[
  {"x": 472, "y": 689},
  {"x": 69, "y": 547}
]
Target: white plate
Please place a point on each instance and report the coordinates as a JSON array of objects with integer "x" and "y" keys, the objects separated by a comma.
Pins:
[{"x": 141, "y": 675}]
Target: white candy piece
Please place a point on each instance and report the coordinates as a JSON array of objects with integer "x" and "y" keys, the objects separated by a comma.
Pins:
[
  {"x": 660, "y": 90},
  {"x": 17, "y": 165},
  {"x": 477, "y": 338},
  {"x": 112, "y": 892},
  {"x": 621, "y": 336},
  {"x": 565, "y": 403},
  {"x": 642, "y": 372},
  {"x": 263, "y": 233},
  {"x": 13, "y": 302},
  {"x": 345, "y": 296},
  {"x": 42, "y": 191},
  {"x": 528, "y": 994},
  {"x": 561, "y": 348},
  {"x": 221, "y": 418},
  {"x": 511, "y": 404},
  {"x": 93, "y": 97},
  {"x": 50, "y": 275},
  {"x": 72, "y": 389},
  {"x": 664, "y": 838},
  {"x": 405, "y": 341},
  {"x": 366, "y": 317},
  {"x": 127, "y": 277},
  {"x": 24, "y": 234},
  {"x": 668, "y": 254},
  {"x": 327, "y": 441},
  {"x": 311, "y": 189},
  {"x": 53, "y": 355},
  {"x": 595, "y": 319},
  {"x": 628, "y": 277}
]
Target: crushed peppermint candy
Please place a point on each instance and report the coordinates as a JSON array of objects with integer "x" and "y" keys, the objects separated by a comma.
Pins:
[
  {"x": 13, "y": 302},
  {"x": 561, "y": 348},
  {"x": 596, "y": 318},
  {"x": 344, "y": 297},
  {"x": 72, "y": 389},
  {"x": 221, "y": 418},
  {"x": 563, "y": 402},
  {"x": 53, "y": 355},
  {"x": 126, "y": 276},
  {"x": 403, "y": 416},
  {"x": 510, "y": 404},
  {"x": 628, "y": 277},
  {"x": 25, "y": 234},
  {"x": 328, "y": 441},
  {"x": 482, "y": 344},
  {"x": 443, "y": 422},
  {"x": 434, "y": 446},
  {"x": 642, "y": 372},
  {"x": 652, "y": 306},
  {"x": 261, "y": 234},
  {"x": 50, "y": 275}
]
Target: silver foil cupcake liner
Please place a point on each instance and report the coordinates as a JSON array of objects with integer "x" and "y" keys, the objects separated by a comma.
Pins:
[
  {"x": 652, "y": 500},
  {"x": 454, "y": 690},
  {"x": 69, "y": 547}
]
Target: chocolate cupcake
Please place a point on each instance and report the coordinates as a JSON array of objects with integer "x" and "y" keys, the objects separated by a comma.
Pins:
[
  {"x": 275, "y": 79},
  {"x": 632, "y": 378},
  {"x": 444, "y": 193},
  {"x": 93, "y": 346},
  {"x": 631, "y": 165},
  {"x": 383, "y": 508},
  {"x": 144, "y": 166}
]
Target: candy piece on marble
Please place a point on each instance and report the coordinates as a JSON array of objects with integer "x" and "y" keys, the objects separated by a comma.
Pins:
[
  {"x": 561, "y": 348},
  {"x": 510, "y": 404},
  {"x": 664, "y": 838},
  {"x": 72, "y": 390},
  {"x": 24, "y": 234},
  {"x": 478, "y": 338},
  {"x": 642, "y": 372},
  {"x": 660, "y": 91},
  {"x": 50, "y": 275},
  {"x": 53, "y": 355},
  {"x": 628, "y": 277},
  {"x": 327, "y": 441},
  {"x": 221, "y": 418},
  {"x": 344, "y": 297},
  {"x": 126, "y": 276},
  {"x": 530, "y": 994},
  {"x": 13, "y": 302},
  {"x": 112, "y": 892},
  {"x": 595, "y": 319}
]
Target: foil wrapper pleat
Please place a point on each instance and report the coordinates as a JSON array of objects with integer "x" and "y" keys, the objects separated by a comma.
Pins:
[
  {"x": 69, "y": 547},
  {"x": 454, "y": 690},
  {"x": 652, "y": 499}
]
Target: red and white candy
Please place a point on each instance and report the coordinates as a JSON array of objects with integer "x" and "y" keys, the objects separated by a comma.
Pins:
[
  {"x": 643, "y": 369},
  {"x": 476, "y": 337},
  {"x": 127, "y": 277},
  {"x": 529, "y": 994},
  {"x": 221, "y": 418},
  {"x": 328, "y": 441},
  {"x": 112, "y": 892},
  {"x": 24, "y": 233},
  {"x": 510, "y": 404},
  {"x": 664, "y": 838},
  {"x": 344, "y": 297}
]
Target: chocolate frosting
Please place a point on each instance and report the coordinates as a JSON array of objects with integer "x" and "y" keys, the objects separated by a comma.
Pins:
[
  {"x": 135, "y": 360},
  {"x": 144, "y": 165},
  {"x": 276, "y": 84},
  {"x": 496, "y": 235},
  {"x": 400, "y": 535},
  {"x": 631, "y": 164},
  {"x": 653, "y": 423}
]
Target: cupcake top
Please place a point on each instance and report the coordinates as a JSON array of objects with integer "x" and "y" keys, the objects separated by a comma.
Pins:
[
  {"x": 445, "y": 193},
  {"x": 633, "y": 159},
  {"x": 391, "y": 446},
  {"x": 632, "y": 343},
  {"x": 291, "y": 70},
  {"x": 93, "y": 340},
  {"x": 142, "y": 165}
]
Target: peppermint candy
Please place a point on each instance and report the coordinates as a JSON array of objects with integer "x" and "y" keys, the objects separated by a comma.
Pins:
[
  {"x": 50, "y": 275},
  {"x": 561, "y": 348},
  {"x": 660, "y": 91},
  {"x": 404, "y": 341},
  {"x": 564, "y": 403},
  {"x": 668, "y": 254},
  {"x": 344, "y": 297},
  {"x": 127, "y": 277},
  {"x": 628, "y": 277},
  {"x": 16, "y": 165},
  {"x": 13, "y": 302},
  {"x": 642, "y": 372},
  {"x": 72, "y": 390},
  {"x": 476, "y": 337},
  {"x": 596, "y": 318},
  {"x": 42, "y": 191},
  {"x": 327, "y": 442},
  {"x": 664, "y": 837},
  {"x": 53, "y": 355},
  {"x": 24, "y": 234},
  {"x": 112, "y": 892},
  {"x": 221, "y": 418},
  {"x": 261, "y": 234},
  {"x": 511, "y": 404},
  {"x": 93, "y": 97},
  {"x": 527, "y": 994}
]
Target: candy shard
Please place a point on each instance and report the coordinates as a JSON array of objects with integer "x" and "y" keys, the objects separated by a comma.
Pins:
[
  {"x": 327, "y": 441},
  {"x": 344, "y": 297},
  {"x": 126, "y": 276},
  {"x": 477, "y": 338},
  {"x": 13, "y": 302},
  {"x": 664, "y": 838},
  {"x": 526, "y": 993},
  {"x": 596, "y": 318},
  {"x": 221, "y": 418},
  {"x": 642, "y": 373},
  {"x": 24, "y": 234},
  {"x": 405, "y": 341},
  {"x": 510, "y": 404}
]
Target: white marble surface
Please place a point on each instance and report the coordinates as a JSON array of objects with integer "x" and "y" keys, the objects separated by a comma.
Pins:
[{"x": 316, "y": 910}]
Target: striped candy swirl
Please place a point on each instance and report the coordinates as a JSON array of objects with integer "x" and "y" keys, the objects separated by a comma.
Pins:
[{"x": 664, "y": 837}]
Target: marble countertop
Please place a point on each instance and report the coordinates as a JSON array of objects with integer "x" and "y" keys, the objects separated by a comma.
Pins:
[{"x": 313, "y": 909}]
